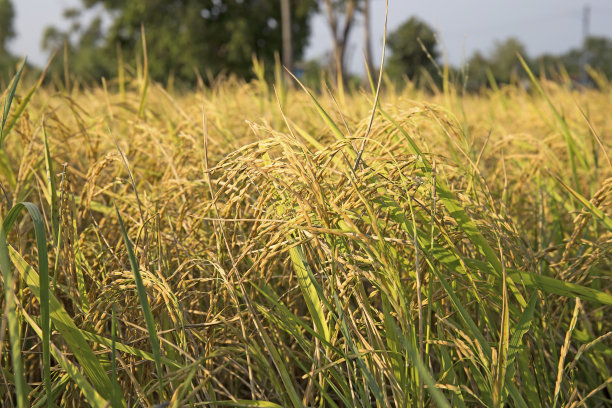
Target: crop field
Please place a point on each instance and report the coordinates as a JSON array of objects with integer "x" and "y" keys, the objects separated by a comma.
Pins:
[{"x": 251, "y": 244}]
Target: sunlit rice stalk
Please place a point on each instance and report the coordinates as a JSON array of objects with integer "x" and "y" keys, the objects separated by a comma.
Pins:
[{"x": 441, "y": 272}]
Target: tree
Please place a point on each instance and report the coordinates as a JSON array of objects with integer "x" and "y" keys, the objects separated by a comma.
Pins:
[
  {"x": 7, "y": 30},
  {"x": 503, "y": 60},
  {"x": 596, "y": 52},
  {"x": 413, "y": 48},
  {"x": 86, "y": 55},
  {"x": 340, "y": 18},
  {"x": 599, "y": 54},
  {"x": 212, "y": 36},
  {"x": 476, "y": 71}
]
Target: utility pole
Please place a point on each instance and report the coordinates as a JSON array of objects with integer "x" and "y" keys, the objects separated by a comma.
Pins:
[
  {"x": 584, "y": 58},
  {"x": 586, "y": 17}
]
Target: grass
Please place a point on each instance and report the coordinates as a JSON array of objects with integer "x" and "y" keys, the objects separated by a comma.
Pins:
[{"x": 220, "y": 247}]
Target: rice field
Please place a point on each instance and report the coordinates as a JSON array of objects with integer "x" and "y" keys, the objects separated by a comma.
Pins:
[{"x": 255, "y": 245}]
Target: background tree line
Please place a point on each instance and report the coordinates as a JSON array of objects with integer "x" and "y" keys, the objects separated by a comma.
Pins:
[{"x": 191, "y": 39}]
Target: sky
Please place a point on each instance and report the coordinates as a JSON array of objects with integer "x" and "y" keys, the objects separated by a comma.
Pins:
[{"x": 466, "y": 26}]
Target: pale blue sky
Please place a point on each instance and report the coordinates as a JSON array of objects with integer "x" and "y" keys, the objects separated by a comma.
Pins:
[{"x": 464, "y": 26}]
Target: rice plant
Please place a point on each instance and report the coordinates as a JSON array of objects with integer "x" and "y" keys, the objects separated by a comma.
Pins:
[{"x": 225, "y": 247}]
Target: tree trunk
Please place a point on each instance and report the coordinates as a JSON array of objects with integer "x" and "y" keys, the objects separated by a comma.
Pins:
[
  {"x": 340, "y": 38},
  {"x": 286, "y": 30},
  {"x": 338, "y": 59},
  {"x": 367, "y": 38}
]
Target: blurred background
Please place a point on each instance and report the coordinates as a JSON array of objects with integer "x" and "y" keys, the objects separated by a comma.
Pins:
[{"x": 191, "y": 40}]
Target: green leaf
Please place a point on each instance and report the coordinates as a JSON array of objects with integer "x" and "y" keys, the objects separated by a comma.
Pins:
[
  {"x": 599, "y": 215},
  {"x": 434, "y": 391},
  {"x": 144, "y": 302},
  {"x": 13, "y": 323},
  {"x": 307, "y": 285},
  {"x": 91, "y": 395},
  {"x": 43, "y": 267},
  {"x": 8, "y": 101},
  {"x": 69, "y": 333},
  {"x": 521, "y": 328},
  {"x": 558, "y": 287}
]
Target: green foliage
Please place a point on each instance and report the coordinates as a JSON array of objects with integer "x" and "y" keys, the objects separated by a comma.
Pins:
[
  {"x": 596, "y": 52},
  {"x": 184, "y": 37},
  {"x": 503, "y": 66},
  {"x": 503, "y": 60},
  {"x": 86, "y": 56},
  {"x": 413, "y": 48},
  {"x": 500, "y": 66},
  {"x": 310, "y": 73},
  {"x": 599, "y": 54},
  {"x": 7, "y": 30},
  {"x": 476, "y": 71}
]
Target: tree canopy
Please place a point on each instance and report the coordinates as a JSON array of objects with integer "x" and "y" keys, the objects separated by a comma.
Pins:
[
  {"x": 210, "y": 36},
  {"x": 596, "y": 52},
  {"x": 413, "y": 48},
  {"x": 504, "y": 66},
  {"x": 7, "y": 30},
  {"x": 504, "y": 62}
]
